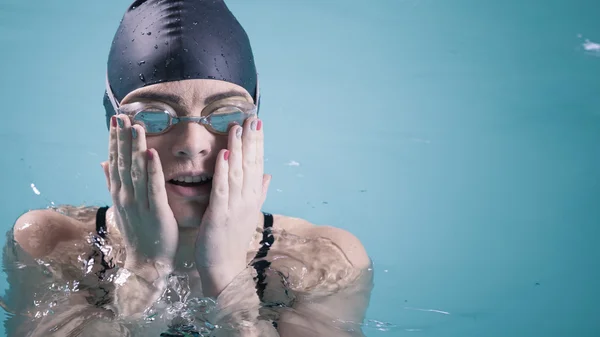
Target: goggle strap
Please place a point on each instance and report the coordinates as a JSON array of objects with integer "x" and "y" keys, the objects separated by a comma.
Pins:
[{"x": 111, "y": 96}]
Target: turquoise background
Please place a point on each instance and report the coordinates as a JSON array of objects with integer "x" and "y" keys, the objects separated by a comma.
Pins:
[{"x": 458, "y": 139}]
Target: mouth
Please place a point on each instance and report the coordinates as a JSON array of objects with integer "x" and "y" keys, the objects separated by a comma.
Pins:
[{"x": 191, "y": 185}]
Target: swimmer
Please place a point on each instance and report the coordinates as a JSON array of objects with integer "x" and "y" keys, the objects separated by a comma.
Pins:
[{"x": 185, "y": 172}]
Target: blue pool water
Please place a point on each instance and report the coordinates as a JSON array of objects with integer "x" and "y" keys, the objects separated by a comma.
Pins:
[{"x": 458, "y": 139}]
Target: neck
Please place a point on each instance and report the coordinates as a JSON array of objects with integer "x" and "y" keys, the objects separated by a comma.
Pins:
[{"x": 185, "y": 256}]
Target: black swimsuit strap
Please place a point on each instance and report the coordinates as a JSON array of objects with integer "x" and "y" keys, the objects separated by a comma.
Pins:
[
  {"x": 101, "y": 221},
  {"x": 260, "y": 264},
  {"x": 98, "y": 242}
]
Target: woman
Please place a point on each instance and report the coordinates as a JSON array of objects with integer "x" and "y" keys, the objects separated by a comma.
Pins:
[{"x": 185, "y": 173}]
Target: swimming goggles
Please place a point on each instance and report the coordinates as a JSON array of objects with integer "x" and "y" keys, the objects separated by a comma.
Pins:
[{"x": 217, "y": 117}]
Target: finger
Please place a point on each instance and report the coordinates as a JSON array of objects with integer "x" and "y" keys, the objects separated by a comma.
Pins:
[
  {"x": 157, "y": 194},
  {"x": 219, "y": 194},
  {"x": 113, "y": 154},
  {"x": 260, "y": 147},
  {"x": 124, "y": 158},
  {"x": 252, "y": 177},
  {"x": 139, "y": 172},
  {"x": 105, "y": 166},
  {"x": 236, "y": 172},
  {"x": 265, "y": 189}
]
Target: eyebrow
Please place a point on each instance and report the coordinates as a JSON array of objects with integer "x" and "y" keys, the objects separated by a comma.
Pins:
[
  {"x": 175, "y": 99},
  {"x": 223, "y": 95},
  {"x": 159, "y": 96}
]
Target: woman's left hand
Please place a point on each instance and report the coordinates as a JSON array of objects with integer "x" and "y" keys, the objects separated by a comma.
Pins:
[{"x": 239, "y": 189}]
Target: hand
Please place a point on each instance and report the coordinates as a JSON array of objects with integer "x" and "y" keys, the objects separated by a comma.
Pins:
[
  {"x": 239, "y": 189},
  {"x": 137, "y": 186}
]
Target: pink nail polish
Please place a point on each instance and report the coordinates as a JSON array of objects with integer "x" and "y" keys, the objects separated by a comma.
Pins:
[
  {"x": 259, "y": 126},
  {"x": 149, "y": 154},
  {"x": 226, "y": 155}
]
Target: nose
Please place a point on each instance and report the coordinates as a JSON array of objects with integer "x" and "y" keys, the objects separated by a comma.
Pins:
[{"x": 192, "y": 140}]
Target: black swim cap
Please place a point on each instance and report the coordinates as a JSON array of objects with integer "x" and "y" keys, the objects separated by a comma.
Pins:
[{"x": 172, "y": 40}]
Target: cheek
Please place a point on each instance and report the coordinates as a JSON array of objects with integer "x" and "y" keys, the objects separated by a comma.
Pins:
[
  {"x": 221, "y": 142},
  {"x": 159, "y": 144}
]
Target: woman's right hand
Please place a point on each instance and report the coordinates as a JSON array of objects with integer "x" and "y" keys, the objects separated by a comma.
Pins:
[{"x": 142, "y": 213}]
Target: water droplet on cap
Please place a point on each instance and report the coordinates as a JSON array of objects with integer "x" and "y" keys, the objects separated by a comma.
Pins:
[
  {"x": 195, "y": 23},
  {"x": 155, "y": 46},
  {"x": 142, "y": 78},
  {"x": 149, "y": 33},
  {"x": 141, "y": 62}
]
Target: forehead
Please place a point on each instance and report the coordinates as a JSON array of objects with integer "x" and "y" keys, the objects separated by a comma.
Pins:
[{"x": 192, "y": 92}]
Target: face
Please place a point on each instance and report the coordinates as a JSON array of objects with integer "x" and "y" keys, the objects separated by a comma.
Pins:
[{"x": 188, "y": 150}]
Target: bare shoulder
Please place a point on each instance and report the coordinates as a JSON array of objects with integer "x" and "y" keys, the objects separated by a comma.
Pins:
[
  {"x": 39, "y": 232},
  {"x": 348, "y": 243}
]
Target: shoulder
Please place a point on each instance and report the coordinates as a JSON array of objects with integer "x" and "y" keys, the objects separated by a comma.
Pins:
[
  {"x": 38, "y": 232},
  {"x": 348, "y": 243}
]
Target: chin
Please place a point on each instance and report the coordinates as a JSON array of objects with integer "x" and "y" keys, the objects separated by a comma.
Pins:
[{"x": 188, "y": 213}]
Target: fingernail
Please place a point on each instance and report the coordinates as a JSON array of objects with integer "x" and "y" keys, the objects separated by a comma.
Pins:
[
  {"x": 253, "y": 125},
  {"x": 226, "y": 155},
  {"x": 238, "y": 133},
  {"x": 133, "y": 133},
  {"x": 120, "y": 121},
  {"x": 259, "y": 126},
  {"x": 113, "y": 120},
  {"x": 149, "y": 154}
]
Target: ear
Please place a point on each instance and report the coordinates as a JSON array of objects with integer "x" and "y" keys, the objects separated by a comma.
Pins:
[
  {"x": 265, "y": 188},
  {"x": 106, "y": 174}
]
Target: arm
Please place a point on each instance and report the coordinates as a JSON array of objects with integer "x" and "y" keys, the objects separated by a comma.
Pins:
[
  {"x": 336, "y": 314},
  {"x": 28, "y": 282},
  {"x": 38, "y": 236}
]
